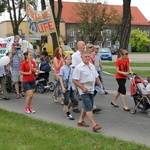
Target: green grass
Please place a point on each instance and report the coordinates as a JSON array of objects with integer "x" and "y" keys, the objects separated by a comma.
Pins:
[
  {"x": 132, "y": 64},
  {"x": 143, "y": 73},
  {"x": 19, "y": 132}
]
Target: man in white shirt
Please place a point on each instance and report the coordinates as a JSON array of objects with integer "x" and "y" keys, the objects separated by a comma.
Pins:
[
  {"x": 76, "y": 59},
  {"x": 84, "y": 77}
]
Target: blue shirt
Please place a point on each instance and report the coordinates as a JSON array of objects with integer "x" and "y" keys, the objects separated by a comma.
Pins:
[
  {"x": 15, "y": 63},
  {"x": 64, "y": 72}
]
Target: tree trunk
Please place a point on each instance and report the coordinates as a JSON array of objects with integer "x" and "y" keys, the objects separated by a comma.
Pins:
[{"x": 126, "y": 25}]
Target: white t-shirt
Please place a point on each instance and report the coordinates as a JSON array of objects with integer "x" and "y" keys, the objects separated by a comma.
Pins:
[
  {"x": 148, "y": 87},
  {"x": 76, "y": 59},
  {"x": 85, "y": 75}
]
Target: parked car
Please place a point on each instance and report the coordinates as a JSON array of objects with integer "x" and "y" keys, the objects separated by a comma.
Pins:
[
  {"x": 105, "y": 54},
  {"x": 113, "y": 51}
]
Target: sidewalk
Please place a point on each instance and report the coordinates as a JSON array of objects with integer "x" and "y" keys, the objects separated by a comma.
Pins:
[{"x": 133, "y": 68}]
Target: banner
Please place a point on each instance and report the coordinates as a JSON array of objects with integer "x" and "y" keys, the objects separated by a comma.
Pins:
[
  {"x": 5, "y": 45},
  {"x": 40, "y": 22}
]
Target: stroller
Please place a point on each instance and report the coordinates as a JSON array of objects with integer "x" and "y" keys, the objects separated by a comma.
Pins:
[
  {"x": 42, "y": 80},
  {"x": 139, "y": 94}
]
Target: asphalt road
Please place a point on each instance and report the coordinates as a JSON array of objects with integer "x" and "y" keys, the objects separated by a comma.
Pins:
[{"x": 115, "y": 122}]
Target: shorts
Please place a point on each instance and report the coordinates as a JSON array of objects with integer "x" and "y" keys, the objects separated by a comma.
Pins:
[
  {"x": 69, "y": 95},
  {"x": 29, "y": 86},
  {"x": 87, "y": 102},
  {"x": 15, "y": 76}
]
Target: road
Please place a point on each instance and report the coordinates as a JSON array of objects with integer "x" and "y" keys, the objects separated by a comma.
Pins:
[
  {"x": 115, "y": 122},
  {"x": 136, "y": 57}
]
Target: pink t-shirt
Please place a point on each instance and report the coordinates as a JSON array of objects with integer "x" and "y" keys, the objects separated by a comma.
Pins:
[{"x": 57, "y": 70}]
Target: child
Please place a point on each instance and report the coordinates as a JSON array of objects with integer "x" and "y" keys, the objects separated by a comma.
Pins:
[
  {"x": 148, "y": 86},
  {"x": 68, "y": 87},
  {"x": 17, "y": 45}
]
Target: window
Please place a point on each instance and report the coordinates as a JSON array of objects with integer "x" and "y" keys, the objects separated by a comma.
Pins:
[
  {"x": 108, "y": 31},
  {"x": 71, "y": 32},
  {"x": 108, "y": 43},
  {"x": 147, "y": 32},
  {"x": 71, "y": 44},
  {"x": 99, "y": 43}
]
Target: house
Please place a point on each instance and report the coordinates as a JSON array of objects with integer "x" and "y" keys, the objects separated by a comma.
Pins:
[{"x": 70, "y": 34}]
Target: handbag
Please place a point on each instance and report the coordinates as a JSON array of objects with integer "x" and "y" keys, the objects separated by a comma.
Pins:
[{"x": 65, "y": 82}]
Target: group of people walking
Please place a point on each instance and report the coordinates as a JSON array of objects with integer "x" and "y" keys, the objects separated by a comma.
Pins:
[{"x": 78, "y": 75}]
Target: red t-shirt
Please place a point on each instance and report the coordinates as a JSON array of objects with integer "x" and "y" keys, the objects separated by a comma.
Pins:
[
  {"x": 25, "y": 67},
  {"x": 123, "y": 66}
]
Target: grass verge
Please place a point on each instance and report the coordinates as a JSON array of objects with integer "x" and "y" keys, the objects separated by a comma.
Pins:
[
  {"x": 143, "y": 73},
  {"x": 19, "y": 132},
  {"x": 132, "y": 64}
]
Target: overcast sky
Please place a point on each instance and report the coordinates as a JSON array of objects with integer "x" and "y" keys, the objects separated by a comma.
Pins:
[{"x": 143, "y": 5}]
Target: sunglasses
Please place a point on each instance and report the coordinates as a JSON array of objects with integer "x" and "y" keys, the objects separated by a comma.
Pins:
[
  {"x": 91, "y": 47},
  {"x": 125, "y": 53}
]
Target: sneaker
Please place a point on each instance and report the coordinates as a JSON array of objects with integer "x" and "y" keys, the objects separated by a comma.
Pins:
[
  {"x": 96, "y": 110},
  {"x": 31, "y": 110},
  {"x": 105, "y": 92},
  {"x": 70, "y": 117},
  {"x": 27, "y": 109}
]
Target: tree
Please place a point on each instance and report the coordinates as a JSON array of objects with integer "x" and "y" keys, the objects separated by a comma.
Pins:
[
  {"x": 3, "y": 4},
  {"x": 126, "y": 25},
  {"x": 16, "y": 9},
  {"x": 139, "y": 41},
  {"x": 94, "y": 17},
  {"x": 57, "y": 18}
]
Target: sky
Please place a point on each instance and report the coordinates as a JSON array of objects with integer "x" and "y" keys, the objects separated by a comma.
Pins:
[{"x": 143, "y": 5}]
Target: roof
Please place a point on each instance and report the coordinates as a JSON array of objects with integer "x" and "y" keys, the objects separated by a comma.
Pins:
[{"x": 138, "y": 17}]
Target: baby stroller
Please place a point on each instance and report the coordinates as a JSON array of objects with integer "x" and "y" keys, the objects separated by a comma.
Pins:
[
  {"x": 42, "y": 80},
  {"x": 139, "y": 94}
]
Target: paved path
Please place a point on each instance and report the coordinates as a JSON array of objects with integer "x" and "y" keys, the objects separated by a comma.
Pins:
[{"x": 115, "y": 121}]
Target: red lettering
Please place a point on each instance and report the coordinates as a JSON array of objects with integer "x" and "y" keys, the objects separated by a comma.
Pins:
[
  {"x": 2, "y": 45},
  {"x": 40, "y": 28},
  {"x": 50, "y": 25}
]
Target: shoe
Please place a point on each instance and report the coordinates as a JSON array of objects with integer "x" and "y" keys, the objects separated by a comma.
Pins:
[
  {"x": 114, "y": 104},
  {"x": 62, "y": 103},
  {"x": 82, "y": 124},
  {"x": 105, "y": 92},
  {"x": 54, "y": 98},
  {"x": 31, "y": 110},
  {"x": 76, "y": 110},
  {"x": 22, "y": 93},
  {"x": 96, "y": 127},
  {"x": 6, "y": 98},
  {"x": 17, "y": 96},
  {"x": 126, "y": 109},
  {"x": 27, "y": 110},
  {"x": 70, "y": 117},
  {"x": 96, "y": 110}
]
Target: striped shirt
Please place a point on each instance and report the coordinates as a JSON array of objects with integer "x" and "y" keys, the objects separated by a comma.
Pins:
[{"x": 15, "y": 63}]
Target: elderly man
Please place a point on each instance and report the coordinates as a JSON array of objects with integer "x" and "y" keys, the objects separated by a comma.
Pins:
[
  {"x": 84, "y": 77},
  {"x": 76, "y": 59}
]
